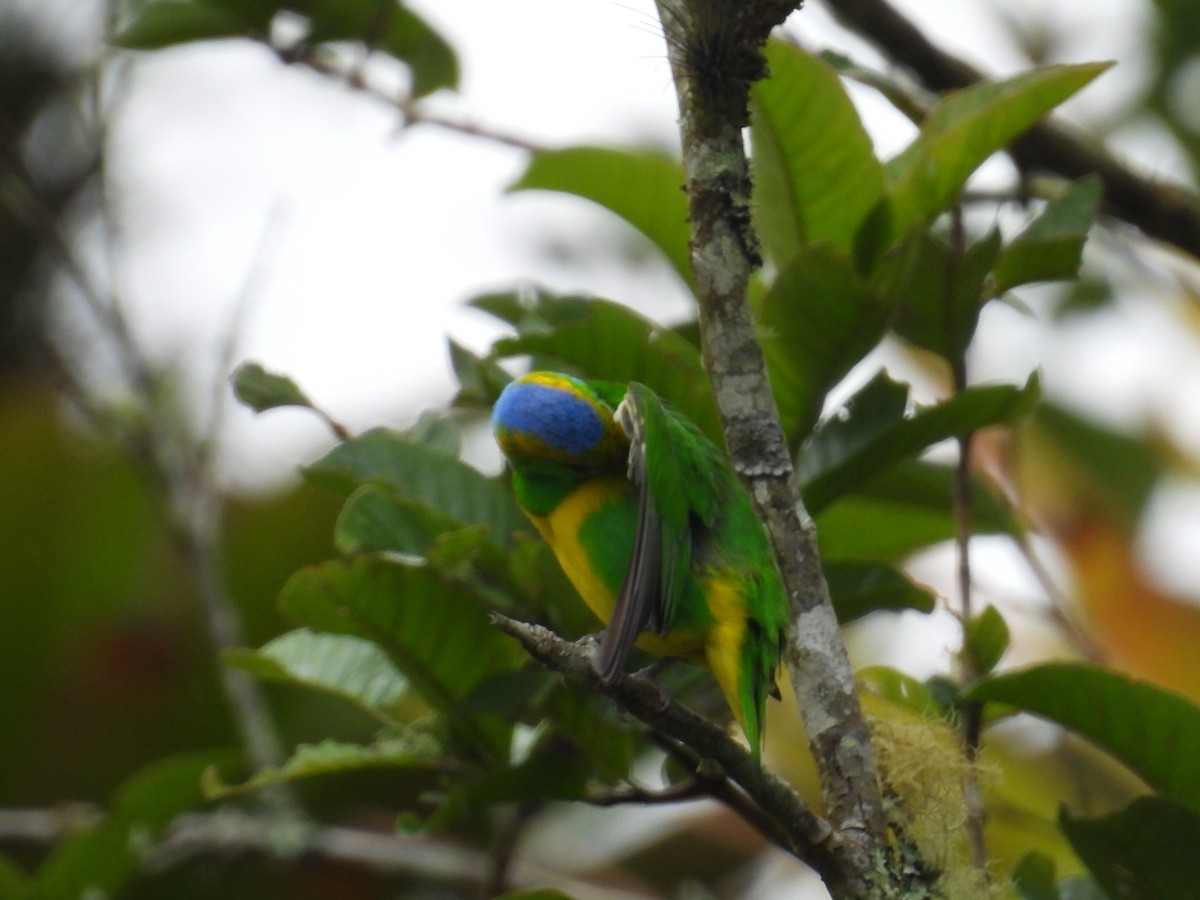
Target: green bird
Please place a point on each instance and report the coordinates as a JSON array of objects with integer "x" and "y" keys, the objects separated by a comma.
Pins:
[{"x": 653, "y": 529}]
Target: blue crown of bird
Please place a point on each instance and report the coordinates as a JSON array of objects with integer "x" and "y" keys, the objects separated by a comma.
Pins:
[{"x": 653, "y": 529}]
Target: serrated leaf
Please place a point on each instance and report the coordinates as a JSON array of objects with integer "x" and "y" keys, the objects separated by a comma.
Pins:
[
  {"x": 552, "y": 772},
  {"x": 1152, "y": 730},
  {"x": 987, "y": 638},
  {"x": 434, "y": 630},
  {"x": 378, "y": 520},
  {"x": 860, "y": 588},
  {"x": 103, "y": 860},
  {"x": 1051, "y": 247},
  {"x": 343, "y": 665},
  {"x": 262, "y": 390},
  {"x": 422, "y": 474},
  {"x": 1146, "y": 851},
  {"x": 1034, "y": 877},
  {"x": 330, "y": 758},
  {"x": 605, "y": 340},
  {"x": 643, "y": 187},
  {"x": 874, "y": 433},
  {"x": 481, "y": 380},
  {"x": 963, "y": 130},
  {"x": 815, "y": 171},
  {"x": 818, "y": 319},
  {"x": 434, "y": 430},
  {"x": 167, "y": 23},
  {"x": 942, "y": 293}
]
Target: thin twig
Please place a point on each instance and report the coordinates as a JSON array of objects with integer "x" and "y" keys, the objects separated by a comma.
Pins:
[
  {"x": 414, "y": 113},
  {"x": 503, "y": 852},
  {"x": 971, "y": 713}
]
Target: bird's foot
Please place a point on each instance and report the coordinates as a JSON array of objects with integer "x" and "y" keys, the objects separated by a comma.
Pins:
[
  {"x": 590, "y": 645},
  {"x": 650, "y": 676}
]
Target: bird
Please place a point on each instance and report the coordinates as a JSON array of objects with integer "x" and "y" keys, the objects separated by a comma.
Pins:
[{"x": 652, "y": 527}]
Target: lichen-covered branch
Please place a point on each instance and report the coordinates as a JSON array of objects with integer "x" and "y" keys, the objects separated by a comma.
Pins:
[
  {"x": 714, "y": 48},
  {"x": 808, "y": 836}
]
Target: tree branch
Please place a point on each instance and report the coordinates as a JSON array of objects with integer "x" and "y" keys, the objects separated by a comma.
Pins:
[
  {"x": 1163, "y": 211},
  {"x": 714, "y": 49},
  {"x": 803, "y": 833},
  {"x": 227, "y": 832}
]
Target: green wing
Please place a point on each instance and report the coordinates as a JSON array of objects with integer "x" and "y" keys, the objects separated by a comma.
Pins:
[{"x": 681, "y": 479}]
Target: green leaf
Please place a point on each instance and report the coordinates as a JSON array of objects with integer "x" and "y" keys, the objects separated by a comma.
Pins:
[
  {"x": 345, "y": 666},
  {"x": 386, "y": 25},
  {"x": 901, "y": 510},
  {"x": 167, "y": 23},
  {"x": 535, "y": 894},
  {"x": 102, "y": 861},
  {"x": 815, "y": 171},
  {"x": 874, "y": 433},
  {"x": 1146, "y": 851},
  {"x": 605, "y": 340},
  {"x": 1034, "y": 877},
  {"x": 432, "y": 62},
  {"x": 481, "y": 379},
  {"x": 420, "y": 473},
  {"x": 434, "y": 630},
  {"x": 1051, "y": 247},
  {"x": 1152, "y": 730},
  {"x": 859, "y": 588},
  {"x": 377, "y": 520},
  {"x": 818, "y": 319},
  {"x": 894, "y": 685},
  {"x": 942, "y": 293},
  {"x": 331, "y": 758},
  {"x": 552, "y": 772},
  {"x": 987, "y": 638},
  {"x": 14, "y": 883},
  {"x": 436, "y": 431},
  {"x": 261, "y": 390},
  {"x": 643, "y": 187},
  {"x": 963, "y": 130}
]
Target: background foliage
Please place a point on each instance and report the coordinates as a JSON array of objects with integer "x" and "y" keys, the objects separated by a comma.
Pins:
[{"x": 397, "y": 706}]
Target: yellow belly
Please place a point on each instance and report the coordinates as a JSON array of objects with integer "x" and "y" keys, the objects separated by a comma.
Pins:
[{"x": 561, "y": 528}]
